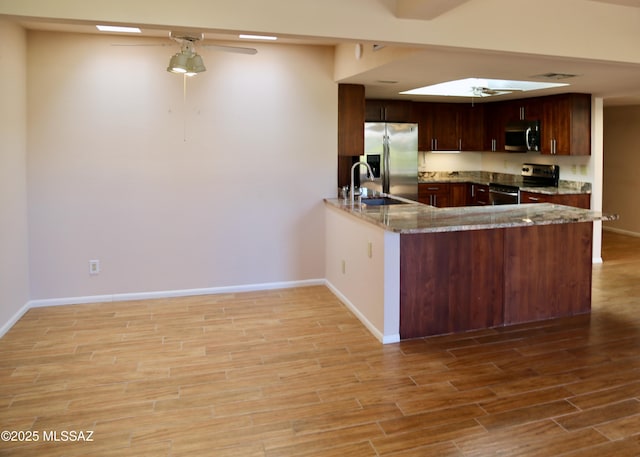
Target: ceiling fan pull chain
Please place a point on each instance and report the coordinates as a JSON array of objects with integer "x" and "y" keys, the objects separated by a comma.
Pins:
[{"x": 184, "y": 108}]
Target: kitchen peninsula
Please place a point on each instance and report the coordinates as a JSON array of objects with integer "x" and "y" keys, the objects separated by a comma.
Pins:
[{"x": 412, "y": 270}]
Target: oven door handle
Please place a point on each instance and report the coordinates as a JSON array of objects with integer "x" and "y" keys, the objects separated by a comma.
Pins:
[{"x": 502, "y": 192}]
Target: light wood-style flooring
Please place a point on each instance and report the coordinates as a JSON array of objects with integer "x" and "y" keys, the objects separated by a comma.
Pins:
[{"x": 293, "y": 373}]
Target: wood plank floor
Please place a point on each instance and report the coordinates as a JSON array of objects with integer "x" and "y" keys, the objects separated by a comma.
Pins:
[{"x": 293, "y": 373}]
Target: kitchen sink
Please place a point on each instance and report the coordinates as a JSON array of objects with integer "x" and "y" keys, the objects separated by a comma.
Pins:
[{"x": 381, "y": 201}]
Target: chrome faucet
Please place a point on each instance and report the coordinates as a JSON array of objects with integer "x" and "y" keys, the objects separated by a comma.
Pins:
[{"x": 352, "y": 189}]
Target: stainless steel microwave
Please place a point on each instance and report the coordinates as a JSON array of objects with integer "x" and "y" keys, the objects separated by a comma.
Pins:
[{"x": 522, "y": 136}]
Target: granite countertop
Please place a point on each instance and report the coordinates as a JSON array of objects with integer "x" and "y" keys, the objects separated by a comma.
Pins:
[
  {"x": 419, "y": 218},
  {"x": 483, "y": 177}
]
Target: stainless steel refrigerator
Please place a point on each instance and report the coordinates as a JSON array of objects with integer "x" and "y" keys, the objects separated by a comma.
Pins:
[{"x": 391, "y": 149}]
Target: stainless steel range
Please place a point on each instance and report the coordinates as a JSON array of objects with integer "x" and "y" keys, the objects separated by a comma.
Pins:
[
  {"x": 536, "y": 175},
  {"x": 503, "y": 194},
  {"x": 533, "y": 175}
]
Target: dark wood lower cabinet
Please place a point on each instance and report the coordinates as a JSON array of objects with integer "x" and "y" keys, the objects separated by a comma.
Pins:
[
  {"x": 458, "y": 281},
  {"x": 547, "y": 271},
  {"x": 450, "y": 282},
  {"x": 577, "y": 200}
]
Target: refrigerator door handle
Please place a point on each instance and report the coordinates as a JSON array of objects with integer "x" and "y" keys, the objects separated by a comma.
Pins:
[{"x": 386, "y": 165}]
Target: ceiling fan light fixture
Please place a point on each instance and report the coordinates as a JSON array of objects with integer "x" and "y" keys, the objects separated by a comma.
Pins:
[
  {"x": 186, "y": 62},
  {"x": 195, "y": 65},
  {"x": 178, "y": 63}
]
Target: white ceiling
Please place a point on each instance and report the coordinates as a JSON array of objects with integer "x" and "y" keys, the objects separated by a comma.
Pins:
[{"x": 616, "y": 83}]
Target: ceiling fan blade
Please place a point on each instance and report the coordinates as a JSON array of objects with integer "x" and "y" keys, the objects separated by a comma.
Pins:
[
  {"x": 142, "y": 44},
  {"x": 236, "y": 49}
]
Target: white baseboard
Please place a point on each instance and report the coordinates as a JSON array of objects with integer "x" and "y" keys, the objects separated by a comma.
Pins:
[
  {"x": 384, "y": 339},
  {"x": 621, "y": 231},
  {"x": 150, "y": 295},
  {"x": 15, "y": 318}
]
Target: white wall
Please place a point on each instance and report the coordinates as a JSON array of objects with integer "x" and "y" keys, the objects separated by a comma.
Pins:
[
  {"x": 14, "y": 273},
  {"x": 363, "y": 269},
  {"x": 221, "y": 188}
]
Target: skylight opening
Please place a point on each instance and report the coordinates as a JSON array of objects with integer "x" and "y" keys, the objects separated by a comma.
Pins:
[{"x": 480, "y": 87}]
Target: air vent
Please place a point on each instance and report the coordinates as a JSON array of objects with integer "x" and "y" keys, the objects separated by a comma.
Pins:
[{"x": 556, "y": 75}]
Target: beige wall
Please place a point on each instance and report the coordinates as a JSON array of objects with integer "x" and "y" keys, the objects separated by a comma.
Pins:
[
  {"x": 14, "y": 283},
  {"x": 221, "y": 188},
  {"x": 622, "y": 167}
]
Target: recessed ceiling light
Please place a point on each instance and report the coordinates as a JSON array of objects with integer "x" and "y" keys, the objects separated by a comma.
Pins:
[
  {"x": 117, "y": 28},
  {"x": 478, "y": 87},
  {"x": 258, "y": 37}
]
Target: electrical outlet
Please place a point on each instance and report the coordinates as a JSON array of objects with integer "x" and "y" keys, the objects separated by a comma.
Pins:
[
  {"x": 370, "y": 249},
  {"x": 574, "y": 169},
  {"x": 344, "y": 267},
  {"x": 94, "y": 267},
  {"x": 583, "y": 170}
]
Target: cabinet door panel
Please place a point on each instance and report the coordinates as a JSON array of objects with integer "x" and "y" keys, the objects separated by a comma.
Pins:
[
  {"x": 434, "y": 194},
  {"x": 566, "y": 126},
  {"x": 438, "y": 126},
  {"x": 350, "y": 119},
  {"x": 450, "y": 282},
  {"x": 562, "y": 264},
  {"x": 480, "y": 194},
  {"x": 495, "y": 119},
  {"x": 389, "y": 111},
  {"x": 445, "y": 123},
  {"x": 460, "y": 194},
  {"x": 472, "y": 129}
]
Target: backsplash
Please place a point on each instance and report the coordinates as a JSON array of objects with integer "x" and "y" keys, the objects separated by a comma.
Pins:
[
  {"x": 489, "y": 176},
  {"x": 578, "y": 169}
]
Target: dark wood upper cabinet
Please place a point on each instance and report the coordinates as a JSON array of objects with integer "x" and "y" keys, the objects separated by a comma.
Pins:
[
  {"x": 445, "y": 127},
  {"x": 351, "y": 109},
  {"x": 530, "y": 109},
  {"x": 565, "y": 122},
  {"x": 351, "y": 106},
  {"x": 438, "y": 126},
  {"x": 389, "y": 111},
  {"x": 472, "y": 127},
  {"x": 566, "y": 125},
  {"x": 496, "y": 116}
]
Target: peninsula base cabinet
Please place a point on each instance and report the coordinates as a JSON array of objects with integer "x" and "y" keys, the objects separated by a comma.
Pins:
[
  {"x": 547, "y": 271},
  {"x": 412, "y": 285},
  {"x": 450, "y": 282},
  {"x": 458, "y": 281}
]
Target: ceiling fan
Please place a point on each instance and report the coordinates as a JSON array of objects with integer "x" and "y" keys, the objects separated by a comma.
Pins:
[
  {"x": 187, "y": 61},
  {"x": 487, "y": 91}
]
